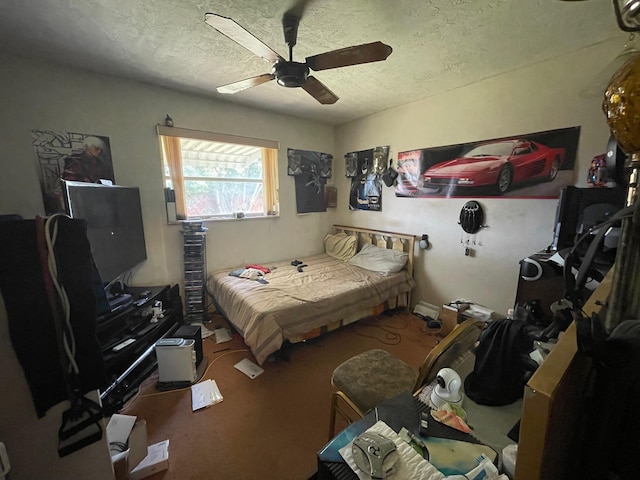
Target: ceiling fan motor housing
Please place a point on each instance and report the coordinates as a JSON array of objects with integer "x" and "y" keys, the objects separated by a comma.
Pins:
[{"x": 291, "y": 74}]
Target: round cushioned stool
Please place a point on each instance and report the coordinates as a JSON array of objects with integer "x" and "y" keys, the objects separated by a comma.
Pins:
[{"x": 372, "y": 377}]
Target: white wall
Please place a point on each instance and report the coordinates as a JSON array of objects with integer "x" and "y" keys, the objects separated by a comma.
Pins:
[
  {"x": 538, "y": 98},
  {"x": 41, "y": 96}
]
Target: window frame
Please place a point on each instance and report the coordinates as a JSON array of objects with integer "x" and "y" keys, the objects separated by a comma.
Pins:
[{"x": 269, "y": 180}]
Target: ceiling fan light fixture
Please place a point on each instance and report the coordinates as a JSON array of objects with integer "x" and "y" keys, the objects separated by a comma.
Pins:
[
  {"x": 622, "y": 106},
  {"x": 628, "y": 14},
  {"x": 291, "y": 74},
  {"x": 596, "y": 87}
]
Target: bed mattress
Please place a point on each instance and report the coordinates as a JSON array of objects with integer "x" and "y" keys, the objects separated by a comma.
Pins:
[{"x": 293, "y": 303}]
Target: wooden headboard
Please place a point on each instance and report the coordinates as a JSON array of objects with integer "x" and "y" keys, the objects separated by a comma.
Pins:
[{"x": 383, "y": 239}]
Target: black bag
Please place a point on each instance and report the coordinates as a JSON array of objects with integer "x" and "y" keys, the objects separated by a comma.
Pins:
[
  {"x": 29, "y": 313},
  {"x": 390, "y": 174},
  {"x": 500, "y": 372}
]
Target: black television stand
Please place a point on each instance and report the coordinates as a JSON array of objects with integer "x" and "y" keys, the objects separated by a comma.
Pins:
[
  {"x": 127, "y": 337},
  {"x": 119, "y": 301}
]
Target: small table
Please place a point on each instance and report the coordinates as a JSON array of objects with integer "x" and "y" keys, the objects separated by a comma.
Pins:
[
  {"x": 490, "y": 425},
  {"x": 401, "y": 411}
]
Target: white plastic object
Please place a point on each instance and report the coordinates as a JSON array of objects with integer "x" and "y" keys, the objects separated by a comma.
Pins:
[
  {"x": 447, "y": 389},
  {"x": 176, "y": 360},
  {"x": 4, "y": 461},
  {"x": 509, "y": 456}
]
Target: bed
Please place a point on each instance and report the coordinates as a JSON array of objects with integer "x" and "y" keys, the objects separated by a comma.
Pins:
[{"x": 332, "y": 290}]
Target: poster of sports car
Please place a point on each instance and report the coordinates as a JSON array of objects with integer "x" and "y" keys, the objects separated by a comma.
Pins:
[{"x": 533, "y": 165}]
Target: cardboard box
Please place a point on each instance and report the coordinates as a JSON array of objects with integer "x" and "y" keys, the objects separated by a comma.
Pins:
[
  {"x": 451, "y": 316},
  {"x": 157, "y": 459},
  {"x": 126, "y": 429}
]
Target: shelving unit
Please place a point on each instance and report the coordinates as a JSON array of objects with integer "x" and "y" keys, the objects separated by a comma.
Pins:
[
  {"x": 127, "y": 341},
  {"x": 195, "y": 270}
]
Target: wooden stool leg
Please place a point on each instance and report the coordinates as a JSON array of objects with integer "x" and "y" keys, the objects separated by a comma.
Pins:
[
  {"x": 332, "y": 416},
  {"x": 337, "y": 409}
]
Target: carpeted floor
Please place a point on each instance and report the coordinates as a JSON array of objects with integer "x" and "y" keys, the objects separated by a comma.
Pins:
[{"x": 272, "y": 426}]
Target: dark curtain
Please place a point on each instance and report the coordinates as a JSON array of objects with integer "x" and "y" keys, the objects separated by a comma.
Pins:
[{"x": 31, "y": 321}]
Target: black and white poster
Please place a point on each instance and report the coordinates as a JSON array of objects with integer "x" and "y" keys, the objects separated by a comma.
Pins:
[
  {"x": 310, "y": 170},
  {"x": 365, "y": 169},
  {"x": 60, "y": 156}
]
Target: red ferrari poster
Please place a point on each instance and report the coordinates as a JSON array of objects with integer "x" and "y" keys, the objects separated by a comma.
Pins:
[{"x": 532, "y": 165}]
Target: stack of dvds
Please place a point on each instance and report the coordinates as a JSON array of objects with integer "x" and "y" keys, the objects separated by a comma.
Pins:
[{"x": 195, "y": 270}]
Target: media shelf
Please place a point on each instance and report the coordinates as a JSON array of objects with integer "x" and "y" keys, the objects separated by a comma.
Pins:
[
  {"x": 195, "y": 269},
  {"x": 127, "y": 338}
]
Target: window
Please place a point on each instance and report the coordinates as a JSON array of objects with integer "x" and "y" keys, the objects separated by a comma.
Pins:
[{"x": 219, "y": 176}]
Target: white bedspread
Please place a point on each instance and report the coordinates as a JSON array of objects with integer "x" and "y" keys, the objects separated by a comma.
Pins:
[{"x": 294, "y": 303}]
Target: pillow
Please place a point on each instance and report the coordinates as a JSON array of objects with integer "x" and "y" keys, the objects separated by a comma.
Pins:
[
  {"x": 380, "y": 260},
  {"x": 341, "y": 245}
]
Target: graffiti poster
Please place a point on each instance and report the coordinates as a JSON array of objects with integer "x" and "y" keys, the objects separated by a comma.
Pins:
[{"x": 533, "y": 165}]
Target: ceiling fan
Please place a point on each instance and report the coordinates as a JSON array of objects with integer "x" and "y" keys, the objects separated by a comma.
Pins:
[{"x": 287, "y": 72}]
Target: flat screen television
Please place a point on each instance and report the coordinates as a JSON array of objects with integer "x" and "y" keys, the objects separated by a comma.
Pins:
[
  {"x": 582, "y": 208},
  {"x": 114, "y": 225}
]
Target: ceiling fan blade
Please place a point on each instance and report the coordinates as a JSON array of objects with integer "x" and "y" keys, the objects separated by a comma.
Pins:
[
  {"x": 236, "y": 87},
  {"x": 291, "y": 21},
  {"x": 356, "y": 55},
  {"x": 242, "y": 37},
  {"x": 319, "y": 91},
  {"x": 298, "y": 8},
  {"x": 290, "y": 25}
]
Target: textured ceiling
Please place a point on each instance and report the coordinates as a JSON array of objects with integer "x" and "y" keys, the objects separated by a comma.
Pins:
[{"x": 438, "y": 45}]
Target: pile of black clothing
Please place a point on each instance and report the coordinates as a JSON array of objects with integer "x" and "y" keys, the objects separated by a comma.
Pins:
[{"x": 503, "y": 365}]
